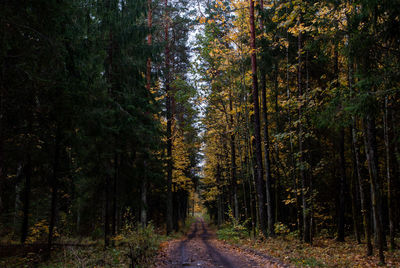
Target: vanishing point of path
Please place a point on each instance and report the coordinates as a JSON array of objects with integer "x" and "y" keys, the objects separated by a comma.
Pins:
[{"x": 200, "y": 248}]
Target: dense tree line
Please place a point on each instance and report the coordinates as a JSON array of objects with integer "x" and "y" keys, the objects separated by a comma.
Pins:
[
  {"x": 302, "y": 117},
  {"x": 99, "y": 121},
  {"x": 88, "y": 89}
]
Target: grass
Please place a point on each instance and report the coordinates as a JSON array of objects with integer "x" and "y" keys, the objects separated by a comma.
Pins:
[{"x": 232, "y": 233}]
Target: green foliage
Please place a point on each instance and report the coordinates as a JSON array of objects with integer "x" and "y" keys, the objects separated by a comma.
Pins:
[
  {"x": 281, "y": 229},
  {"x": 39, "y": 232},
  {"x": 308, "y": 262},
  {"x": 77, "y": 120},
  {"x": 232, "y": 233},
  {"x": 142, "y": 245},
  {"x": 72, "y": 82},
  {"x": 138, "y": 247},
  {"x": 233, "y": 230}
]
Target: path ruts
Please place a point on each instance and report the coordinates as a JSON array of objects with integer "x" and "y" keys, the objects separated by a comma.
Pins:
[{"x": 200, "y": 248}]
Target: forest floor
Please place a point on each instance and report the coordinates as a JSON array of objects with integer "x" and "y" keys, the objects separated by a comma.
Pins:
[
  {"x": 199, "y": 245},
  {"x": 325, "y": 252},
  {"x": 201, "y": 248},
  {"x": 138, "y": 246}
]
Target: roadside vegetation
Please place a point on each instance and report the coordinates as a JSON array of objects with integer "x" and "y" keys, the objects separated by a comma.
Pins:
[
  {"x": 134, "y": 246},
  {"x": 325, "y": 251}
]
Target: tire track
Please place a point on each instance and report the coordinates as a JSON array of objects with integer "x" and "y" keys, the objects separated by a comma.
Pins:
[{"x": 201, "y": 249}]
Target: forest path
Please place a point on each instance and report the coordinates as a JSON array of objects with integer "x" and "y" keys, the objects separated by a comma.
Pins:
[{"x": 200, "y": 248}]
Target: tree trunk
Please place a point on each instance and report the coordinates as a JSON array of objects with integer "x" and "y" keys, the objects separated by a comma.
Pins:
[
  {"x": 78, "y": 216},
  {"x": 2, "y": 90},
  {"x": 54, "y": 188},
  {"x": 250, "y": 179},
  {"x": 219, "y": 202},
  {"x": 149, "y": 42},
  {"x": 395, "y": 157},
  {"x": 1, "y": 148},
  {"x": 143, "y": 193},
  {"x": 169, "y": 124},
  {"x": 233, "y": 161},
  {"x": 106, "y": 212},
  {"x": 372, "y": 158},
  {"x": 27, "y": 170},
  {"x": 293, "y": 176},
  {"x": 356, "y": 188},
  {"x": 304, "y": 182},
  {"x": 361, "y": 185},
  {"x": 256, "y": 213},
  {"x": 243, "y": 176},
  {"x": 249, "y": 162},
  {"x": 386, "y": 129},
  {"x": 115, "y": 194},
  {"x": 177, "y": 203},
  {"x": 342, "y": 182},
  {"x": 17, "y": 199},
  {"x": 278, "y": 131},
  {"x": 256, "y": 122},
  {"x": 268, "y": 181},
  {"x": 342, "y": 162},
  {"x": 354, "y": 196}
]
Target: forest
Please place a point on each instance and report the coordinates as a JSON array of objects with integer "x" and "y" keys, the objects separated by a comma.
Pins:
[{"x": 200, "y": 133}]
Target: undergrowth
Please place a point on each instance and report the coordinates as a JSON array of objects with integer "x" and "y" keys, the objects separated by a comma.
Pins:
[
  {"x": 325, "y": 252},
  {"x": 134, "y": 247},
  {"x": 232, "y": 230}
]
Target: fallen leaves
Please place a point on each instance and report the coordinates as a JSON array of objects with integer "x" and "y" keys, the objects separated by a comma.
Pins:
[{"x": 324, "y": 253}]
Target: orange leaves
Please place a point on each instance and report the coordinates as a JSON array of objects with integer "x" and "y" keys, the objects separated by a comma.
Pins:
[
  {"x": 325, "y": 252},
  {"x": 301, "y": 28}
]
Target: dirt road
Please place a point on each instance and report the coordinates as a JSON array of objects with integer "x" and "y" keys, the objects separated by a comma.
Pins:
[{"x": 201, "y": 249}]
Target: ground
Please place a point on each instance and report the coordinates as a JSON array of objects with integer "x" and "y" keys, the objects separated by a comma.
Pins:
[
  {"x": 201, "y": 248},
  {"x": 324, "y": 252}
]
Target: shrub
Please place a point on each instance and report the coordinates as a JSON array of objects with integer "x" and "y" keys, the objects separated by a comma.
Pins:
[
  {"x": 233, "y": 230},
  {"x": 40, "y": 231},
  {"x": 281, "y": 229},
  {"x": 142, "y": 245}
]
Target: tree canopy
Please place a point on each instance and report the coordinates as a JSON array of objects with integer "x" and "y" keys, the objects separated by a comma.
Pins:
[{"x": 277, "y": 116}]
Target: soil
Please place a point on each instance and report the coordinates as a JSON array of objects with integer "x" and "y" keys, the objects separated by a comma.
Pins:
[{"x": 201, "y": 248}]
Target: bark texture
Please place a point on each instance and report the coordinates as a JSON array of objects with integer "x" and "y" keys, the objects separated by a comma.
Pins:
[{"x": 256, "y": 123}]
